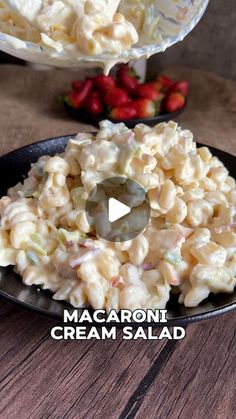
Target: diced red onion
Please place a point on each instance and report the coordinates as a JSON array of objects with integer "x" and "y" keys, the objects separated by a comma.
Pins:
[
  {"x": 147, "y": 266},
  {"x": 85, "y": 257}
]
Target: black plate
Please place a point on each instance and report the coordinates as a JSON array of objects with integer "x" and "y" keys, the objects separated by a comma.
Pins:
[
  {"x": 87, "y": 118},
  {"x": 13, "y": 167}
]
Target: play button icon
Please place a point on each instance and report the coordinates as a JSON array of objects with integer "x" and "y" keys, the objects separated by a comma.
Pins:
[{"x": 117, "y": 209}]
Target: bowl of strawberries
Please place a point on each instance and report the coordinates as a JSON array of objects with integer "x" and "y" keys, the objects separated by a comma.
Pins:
[{"x": 123, "y": 98}]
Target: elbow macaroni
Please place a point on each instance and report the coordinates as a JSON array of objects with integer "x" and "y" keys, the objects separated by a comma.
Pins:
[
  {"x": 84, "y": 27},
  {"x": 189, "y": 243}
]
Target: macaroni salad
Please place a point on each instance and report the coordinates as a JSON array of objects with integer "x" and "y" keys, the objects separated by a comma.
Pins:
[
  {"x": 81, "y": 26},
  {"x": 188, "y": 246}
]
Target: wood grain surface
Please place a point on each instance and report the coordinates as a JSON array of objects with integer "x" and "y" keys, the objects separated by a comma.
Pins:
[{"x": 43, "y": 378}]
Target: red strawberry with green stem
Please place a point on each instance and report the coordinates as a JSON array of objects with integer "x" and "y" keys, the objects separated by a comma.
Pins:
[
  {"x": 128, "y": 111},
  {"x": 75, "y": 99},
  {"x": 104, "y": 83},
  {"x": 155, "y": 84},
  {"x": 94, "y": 104},
  {"x": 181, "y": 87},
  {"x": 165, "y": 81},
  {"x": 145, "y": 108},
  {"x": 127, "y": 78},
  {"x": 174, "y": 102},
  {"x": 116, "y": 97},
  {"x": 148, "y": 91}
]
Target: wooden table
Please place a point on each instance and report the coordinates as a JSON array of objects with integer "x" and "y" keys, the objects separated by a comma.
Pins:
[{"x": 43, "y": 378}]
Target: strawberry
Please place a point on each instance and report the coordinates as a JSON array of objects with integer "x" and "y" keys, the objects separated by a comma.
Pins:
[
  {"x": 145, "y": 108},
  {"x": 181, "y": 87},
  {"x": 104, "y": 83},
  {"x": 116, "y": 97},
  {"x": 127, "y": 78},
  {"x": 75, "y": 99},
  {"x": 94, "y": 104},
  {"x": 77, "y": 84},
  {"x": 174, "y": 102},
  {"x": 128, "y": 111},
  {"x": 155, "y": 84},
  {"x": 147, "y": 91},
  {"x": 165, "y": 81},
  {"x": 72, "y": 99}
]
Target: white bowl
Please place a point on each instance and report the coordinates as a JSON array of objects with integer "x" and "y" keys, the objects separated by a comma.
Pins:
[{"x": 177, "y": 19}]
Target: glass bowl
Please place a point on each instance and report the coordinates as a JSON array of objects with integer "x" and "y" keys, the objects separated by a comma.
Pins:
[{"x": 177, "y": 19}]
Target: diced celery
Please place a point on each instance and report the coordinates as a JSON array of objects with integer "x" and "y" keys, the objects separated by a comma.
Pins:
[
  {"x": 74, "y": 236},
  {"x": 166, "y": 226},
  {"x": 36, "y": 247},
  {"x": 37, "y": 238},
  {"x": 32, "y": 258},
  {"x": 76, "y": 195},
  {"x": 173, "y": 257}
]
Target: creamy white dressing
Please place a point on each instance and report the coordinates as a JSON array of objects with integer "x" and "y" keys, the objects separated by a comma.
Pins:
[
  {"x": 90, "y": 27},
  {"x": 88, "y": 32},
  {"x": 189, "y": 242},
  {"x": 25, "y": 8}
]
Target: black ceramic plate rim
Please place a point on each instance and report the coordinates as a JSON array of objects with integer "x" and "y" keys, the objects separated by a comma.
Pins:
[
  {"x": 171, "y": 322},
  {"x": 182, "y": 320}
]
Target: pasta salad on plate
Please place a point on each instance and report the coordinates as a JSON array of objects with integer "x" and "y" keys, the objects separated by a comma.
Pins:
[{"x": 188, "y": 246}]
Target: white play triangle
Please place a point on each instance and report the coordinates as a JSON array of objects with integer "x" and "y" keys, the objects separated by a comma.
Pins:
[{"x": 116, "y": 210}]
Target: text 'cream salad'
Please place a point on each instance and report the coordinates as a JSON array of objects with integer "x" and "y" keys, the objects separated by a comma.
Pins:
[{"x": 188, "y": 247}]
